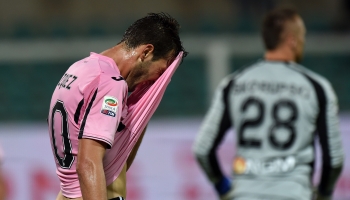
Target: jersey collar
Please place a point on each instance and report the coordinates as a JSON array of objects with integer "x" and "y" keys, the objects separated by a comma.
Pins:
[{"x": 105, "y": 58}]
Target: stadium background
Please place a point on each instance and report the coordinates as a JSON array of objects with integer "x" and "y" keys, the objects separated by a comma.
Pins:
[{"x": 40, "y": 39}]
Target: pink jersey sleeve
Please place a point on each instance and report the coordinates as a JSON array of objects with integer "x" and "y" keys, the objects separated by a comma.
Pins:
[{"x": 104, "y": 110}]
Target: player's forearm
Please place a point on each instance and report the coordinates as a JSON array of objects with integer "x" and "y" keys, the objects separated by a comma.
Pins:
[
  {"x": 328, "y": 180},
  {"x": 90, "y": 169},
  {"x": 135, "y": 149},
  {"x": 92, "y": 180},
  {"x": 210, "y": 166},
  {"x": 221, "y": 183}
]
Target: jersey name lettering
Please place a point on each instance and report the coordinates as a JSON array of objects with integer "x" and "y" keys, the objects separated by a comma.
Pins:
[
  {"x": 66, "y": 81},
  {"x": 271, "y": 88}
]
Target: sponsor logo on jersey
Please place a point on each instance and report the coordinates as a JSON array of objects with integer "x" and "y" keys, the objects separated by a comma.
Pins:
[
  {"x": 111, "y": 102},
  {"x": 239, "y": 165},
  {"x": 109, "y": 106},
  {"x": 273, "y": 166}
]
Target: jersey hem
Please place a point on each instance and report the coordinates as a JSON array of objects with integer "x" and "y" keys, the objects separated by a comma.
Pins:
[{"x": 99, "y": 139}]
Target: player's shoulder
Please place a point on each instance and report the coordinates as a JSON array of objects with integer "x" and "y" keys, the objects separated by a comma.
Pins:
[
  {"x": 242, "y": 70},
  {"x": 105, "y": 64},
  {"x": 230, "y": 78},
  {"x": 314, "y": 77}
]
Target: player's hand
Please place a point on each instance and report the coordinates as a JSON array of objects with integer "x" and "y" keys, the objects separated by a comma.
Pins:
[
  {"x": 223, "y": 187},
  {"x": 228, "y": 195}
]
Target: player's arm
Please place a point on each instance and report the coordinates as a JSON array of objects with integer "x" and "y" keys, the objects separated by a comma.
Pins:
[
  {"x": 133, "y": 153},
  {"x": 90, "y": 169},
  {"x": 98, "y": 126},
  {"x": 330, "y": 141},
  {"x": 216, "y": 122}
]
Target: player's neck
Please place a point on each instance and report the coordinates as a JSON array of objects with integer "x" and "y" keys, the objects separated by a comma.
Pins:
[
  {"x": 120, "y": 56},
  {"x": 280, "y": 54}
]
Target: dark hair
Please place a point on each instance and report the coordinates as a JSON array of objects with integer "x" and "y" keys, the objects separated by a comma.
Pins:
[
  {"x": 158, "y": 29},
  {"x": 274, "y": 25}
]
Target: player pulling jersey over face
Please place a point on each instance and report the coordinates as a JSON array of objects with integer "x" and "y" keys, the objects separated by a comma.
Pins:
[
  {"x": 90, "y": 101},
  {"x": 275, "y": 107},
  {"x": 89, "y": 105}
]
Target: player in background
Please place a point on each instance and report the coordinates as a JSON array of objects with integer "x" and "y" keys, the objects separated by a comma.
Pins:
[
  {"x": 277, "y": 109},
  {"x": 89, "y": 103}
]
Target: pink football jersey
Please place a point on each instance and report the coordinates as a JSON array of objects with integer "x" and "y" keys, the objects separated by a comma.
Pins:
[
  {"x": 87, "y": 103},
  {"x": 83, "y": 107}
]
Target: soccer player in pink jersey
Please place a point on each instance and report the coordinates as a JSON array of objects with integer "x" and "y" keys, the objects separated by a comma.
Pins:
[{"x": 89, "y": 104}]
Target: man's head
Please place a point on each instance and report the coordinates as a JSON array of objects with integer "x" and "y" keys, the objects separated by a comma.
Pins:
[
  {"x": 283, "y": 29},
  {"x": 155, "y": 41}
]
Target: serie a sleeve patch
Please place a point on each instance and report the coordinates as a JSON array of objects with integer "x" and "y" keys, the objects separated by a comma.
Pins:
[{"x": 109, "y": 106}]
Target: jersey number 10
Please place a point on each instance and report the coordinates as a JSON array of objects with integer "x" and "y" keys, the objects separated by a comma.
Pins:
[{"x": 68, "y": 159}]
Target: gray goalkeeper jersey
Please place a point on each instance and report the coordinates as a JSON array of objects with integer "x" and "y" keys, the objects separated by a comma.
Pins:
[{"x": 276, "y": 109}]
